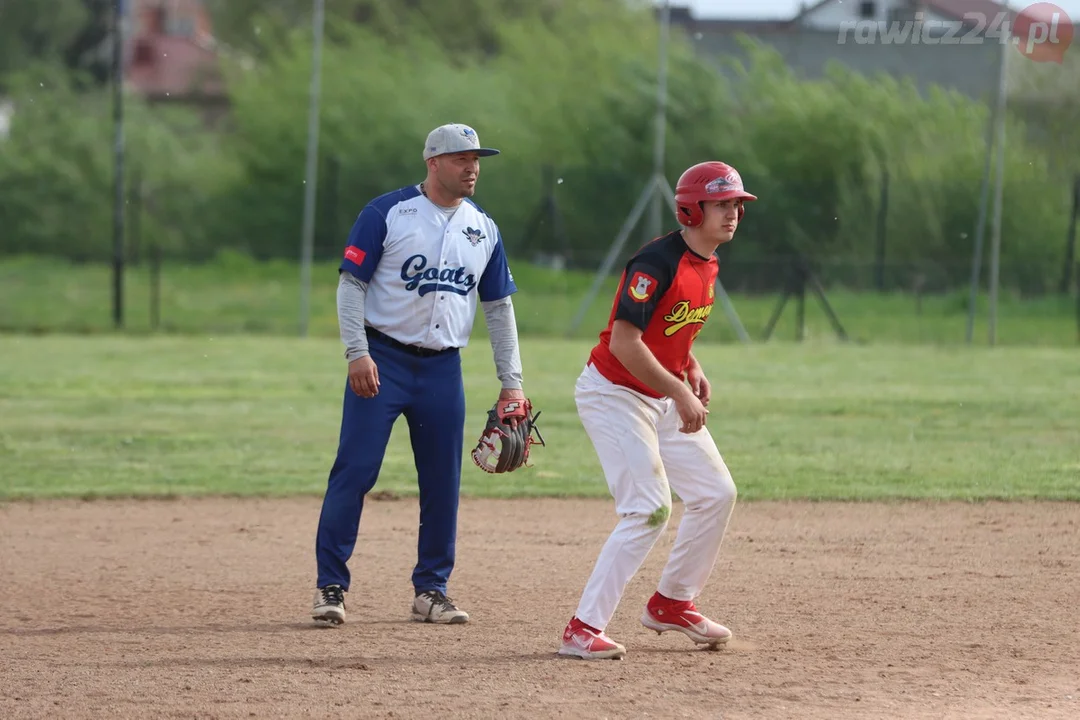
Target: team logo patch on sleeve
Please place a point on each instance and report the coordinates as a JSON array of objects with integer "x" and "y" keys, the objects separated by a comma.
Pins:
[
  {"x": 355, "y": 254},
  {"x": 641, "y": 286}
]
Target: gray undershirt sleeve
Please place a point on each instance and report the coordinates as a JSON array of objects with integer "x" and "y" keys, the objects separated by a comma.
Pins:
[
  {"x": 351, "y": 294},
  {"x": 502, "y": 327}
]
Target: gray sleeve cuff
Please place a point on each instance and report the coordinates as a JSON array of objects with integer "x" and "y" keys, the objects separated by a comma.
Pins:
[
  {"x": 351, "y": 294},
  {"x": 502, "y": 327}
]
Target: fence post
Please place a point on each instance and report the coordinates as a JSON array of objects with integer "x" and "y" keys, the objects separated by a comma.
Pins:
[
  {"x": 333, "y": 169},
  {"x": 800, "y": 306},
  {"x": 155, "y": 286},
  {"x": 883, "y": 212},
  {"x": 1070, "y": 239},
  {"x": 135, "y": 208}
]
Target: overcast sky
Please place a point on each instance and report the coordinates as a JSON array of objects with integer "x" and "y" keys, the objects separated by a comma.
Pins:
[{"x": 788, "y": 8}]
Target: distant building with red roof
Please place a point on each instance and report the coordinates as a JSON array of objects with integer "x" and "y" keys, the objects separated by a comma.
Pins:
[{"x": 172, "y": 56}]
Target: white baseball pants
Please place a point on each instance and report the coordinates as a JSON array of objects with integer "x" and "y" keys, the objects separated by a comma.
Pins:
[{"x": 644, "y": 456}]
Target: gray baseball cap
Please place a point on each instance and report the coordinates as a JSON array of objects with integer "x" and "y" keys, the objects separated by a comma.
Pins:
[{"x": 454, "y": 138}]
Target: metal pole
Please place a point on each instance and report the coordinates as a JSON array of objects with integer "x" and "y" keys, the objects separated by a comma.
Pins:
[
  {"x": 656, "y": 190},
  {"x": 613, "y": 254},
  {"x": 118, "y": 163},
  {"x": 155, "y": 286},
  {"x": 655, "y": 215},
  {"x": 1070, "y": 239},
  {"x": 882, "y": 228},
  {"x": 729, "y": 310},
  {"x": 995, "y": 237},
  {"x": 980, "y": 227},
  {"x": 310, "y": 177}
]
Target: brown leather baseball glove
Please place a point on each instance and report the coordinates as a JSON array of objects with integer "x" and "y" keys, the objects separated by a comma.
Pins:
[{"x": 504, "y": 447}]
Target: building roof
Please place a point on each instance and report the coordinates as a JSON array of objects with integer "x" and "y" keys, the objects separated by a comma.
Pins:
[
  {"x": 163, "y": 66},
  {"x": 957, "y": 9},
  {"x": 682, "y": 17},
  {"x": 950, "y": 8},
  {"x": 171, "y": 51}
]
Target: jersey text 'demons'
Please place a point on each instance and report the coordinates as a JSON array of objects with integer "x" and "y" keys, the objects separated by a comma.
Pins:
[{"x": 682, "y": 315}]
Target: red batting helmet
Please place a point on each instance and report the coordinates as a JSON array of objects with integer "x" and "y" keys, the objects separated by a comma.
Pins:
[{"x": 704, "y": 182}]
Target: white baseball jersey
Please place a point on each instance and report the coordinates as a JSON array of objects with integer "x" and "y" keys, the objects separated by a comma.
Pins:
[{"x": 425, "y": 272}]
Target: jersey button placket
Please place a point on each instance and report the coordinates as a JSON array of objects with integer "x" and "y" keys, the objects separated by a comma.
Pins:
[{"x": 442, "y": 296}]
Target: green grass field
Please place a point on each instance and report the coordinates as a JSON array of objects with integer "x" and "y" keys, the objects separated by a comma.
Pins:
[
  {"x": 107, "y": 415},
  {"x": 236, "y": 295}
]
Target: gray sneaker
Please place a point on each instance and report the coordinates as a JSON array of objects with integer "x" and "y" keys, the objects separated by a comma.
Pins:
[
  {"x": 329, "y": 605},
  {"x": 434, "y": 607}
]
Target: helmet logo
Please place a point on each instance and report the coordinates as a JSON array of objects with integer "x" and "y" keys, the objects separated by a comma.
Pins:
[{"x": 731, "y": 181}]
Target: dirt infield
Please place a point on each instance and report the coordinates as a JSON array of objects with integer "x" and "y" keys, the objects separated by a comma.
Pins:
[{"x": 198, "y": 609}]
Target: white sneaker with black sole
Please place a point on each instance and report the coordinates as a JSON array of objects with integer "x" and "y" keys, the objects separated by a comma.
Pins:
[
  {"x": 329, "y": 605},
  {"x": 434, "y": 607}
]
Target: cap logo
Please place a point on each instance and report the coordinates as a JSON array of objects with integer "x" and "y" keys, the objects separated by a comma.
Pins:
[{"x": 454, "y": 138}]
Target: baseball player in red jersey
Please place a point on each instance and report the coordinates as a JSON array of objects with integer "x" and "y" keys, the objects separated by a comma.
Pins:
[{"x": 642, "y": 399}]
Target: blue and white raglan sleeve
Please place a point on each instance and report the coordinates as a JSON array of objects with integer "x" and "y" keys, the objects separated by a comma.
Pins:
[
  {"x": 496, "y": 282},
  {"x": 365, "y": 245}
]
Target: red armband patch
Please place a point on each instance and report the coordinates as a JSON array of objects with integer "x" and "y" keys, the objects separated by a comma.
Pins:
[
  {"x": 355, "y": 254},
  {"x": 641, "y": 286}
]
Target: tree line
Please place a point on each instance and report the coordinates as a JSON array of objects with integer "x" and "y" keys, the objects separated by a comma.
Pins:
[{"x": 565, "y": 87}]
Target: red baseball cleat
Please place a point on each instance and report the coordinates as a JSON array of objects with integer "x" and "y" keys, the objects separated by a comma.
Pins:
[
  {"x": 584, "y": 641},
  {"x": 663, "y": 614}
]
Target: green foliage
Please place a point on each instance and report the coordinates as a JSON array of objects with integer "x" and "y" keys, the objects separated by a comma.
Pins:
[
  {"x": 547, "y": 97},
  {"x": 53, "y": 169},
  {"x": 817, "y": 152},
  {"x": 570, "y": 85},
  {"x": 57, "y": 169},
  {"x": 58, "y": 30},
  {"x": 1047, "y": 96}
]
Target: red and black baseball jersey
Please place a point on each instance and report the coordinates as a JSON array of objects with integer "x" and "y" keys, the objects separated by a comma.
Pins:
[{"x": 667, "y": 291}]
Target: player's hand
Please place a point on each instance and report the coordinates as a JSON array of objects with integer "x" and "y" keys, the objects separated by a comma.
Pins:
[
  {"x": 512, "y": 394},
  {"x": 691, "y": 411},
  {"x": 364, "y": 377},
  {"x": 699, "y": 384}
]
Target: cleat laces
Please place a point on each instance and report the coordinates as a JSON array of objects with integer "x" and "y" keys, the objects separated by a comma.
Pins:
[{"x": 333, "y": 595}]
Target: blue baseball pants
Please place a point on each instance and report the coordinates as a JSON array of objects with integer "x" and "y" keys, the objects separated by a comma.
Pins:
[{"x": 430, "y": 393}]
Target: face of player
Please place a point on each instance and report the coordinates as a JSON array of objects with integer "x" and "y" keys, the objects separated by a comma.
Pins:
[
  {"x": 721, "y": 219},
  {"x": 456, "y": 174}
]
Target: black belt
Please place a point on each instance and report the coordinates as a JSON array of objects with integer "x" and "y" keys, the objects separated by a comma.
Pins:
[{"x": 411, "y": 349}]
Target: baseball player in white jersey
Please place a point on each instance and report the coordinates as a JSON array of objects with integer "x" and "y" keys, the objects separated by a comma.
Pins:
[
  {"x": 642, "y": 399},
  {"x": 417, "y": 262}
]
